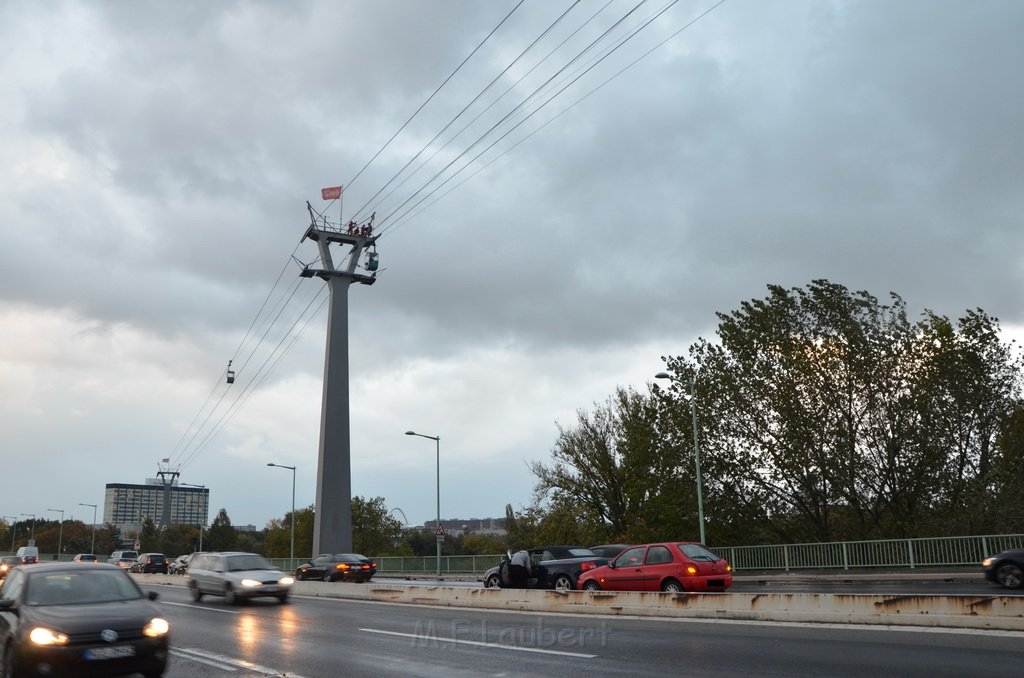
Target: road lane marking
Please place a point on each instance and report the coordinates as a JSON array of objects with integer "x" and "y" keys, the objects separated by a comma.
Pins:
[
  {"x": 200, "y": 607},
  {"x": 229, "y": 663},
  {"x": 187, "y": 653},
  {"x": 477, "y": 643}
]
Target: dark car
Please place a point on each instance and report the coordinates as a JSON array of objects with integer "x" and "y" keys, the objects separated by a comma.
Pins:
[
  {"x": 8, "y": 563},
  {"x": 670, "y": 566},
  {"x": 352, "y": 567},
  {"x": 85, "y": 558},
  {"x": 63, "y": 619},
  {"x": 609, "y": 550},
  {"x": 1006, "y": 568},
  {"x": 150, "y": 563},
  {"x": 555, "y": 567}
]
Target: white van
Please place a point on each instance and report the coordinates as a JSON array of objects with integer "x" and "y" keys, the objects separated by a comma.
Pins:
[{"x": 28, "y": 554}]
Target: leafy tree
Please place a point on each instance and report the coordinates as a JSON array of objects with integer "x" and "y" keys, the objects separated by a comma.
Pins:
[
  {"x": 277, "y": 538},
  {"x": 221, "y": 536},
  {"x": 374, "y": 530},
  {"x": 177, "y": 540},
  {"x": 614, "y": 469},
  {"x": 149, "y": 537}
]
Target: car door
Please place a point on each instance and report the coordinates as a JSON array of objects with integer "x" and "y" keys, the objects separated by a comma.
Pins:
[
  {"x": 627, "y": 571},
  {"x": 318, "y": 566},
  {"x": 659, "y": 564}
]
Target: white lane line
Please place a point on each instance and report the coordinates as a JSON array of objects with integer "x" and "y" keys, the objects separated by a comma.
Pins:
[
  {"x": 196, "y": 654},
  {"x": 477, "y": 643},
  {"x": 200, "y": 607},
  {"x": 187, "y": 654}
]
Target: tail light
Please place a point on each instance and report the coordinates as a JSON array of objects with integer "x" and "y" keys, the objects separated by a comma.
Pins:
[
  {"x": 588, "y": 565},
  {"x": 342, "y": 566}
]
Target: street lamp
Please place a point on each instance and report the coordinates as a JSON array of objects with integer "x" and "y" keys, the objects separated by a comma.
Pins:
[
  {"x": 14, "y": 529},
  {"x": 696, "y": 443},
  {"x": 438, "y": 531},
  {"x": 202, "y": 523},
  {"x": 32, "y": 529},
  {"x": 92, "y": 549},
  {"x": 292, "y": 469},
  {"x": 60, "y": 535}
]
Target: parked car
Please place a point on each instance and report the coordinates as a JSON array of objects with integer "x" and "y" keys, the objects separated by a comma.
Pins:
[
  {"x": 609, "y": 550},
  {"x": 85, "y": 558},
  {"x": 28, "y": 554},
  {"x": 352, "y": 567},
  {"x": 123, "y": 559},
  {"x": 150, "y": 563},
  {"x": 669, "y": 566},
  {"x": 237, "y": 576},
  {"x": 1006, "y": 568},
  {"x": 8, "y": 563},
  {"x": 65, "y": 620},
  {"x": 555, "y": 567}
]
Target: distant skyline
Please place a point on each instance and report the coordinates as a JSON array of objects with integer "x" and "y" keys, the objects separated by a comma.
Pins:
[{"x": 158, "y": 158}]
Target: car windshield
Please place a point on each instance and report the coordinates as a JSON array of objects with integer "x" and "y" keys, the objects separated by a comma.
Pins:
[
  {"x": 248, "y": 561},
  {"x": 697, "y": 552},
  {"x": 80, "y": 588},
  {"x": 349, "y": 556}
]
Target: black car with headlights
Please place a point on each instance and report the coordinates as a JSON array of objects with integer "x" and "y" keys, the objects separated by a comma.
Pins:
[
  {"x": 1006, "y": 568},
  {"x": 62, "y": 619},
  {"x": 352, "y": 567},
  {"x": 8, "y": 563},
  {"x": 554, "y": 567}
]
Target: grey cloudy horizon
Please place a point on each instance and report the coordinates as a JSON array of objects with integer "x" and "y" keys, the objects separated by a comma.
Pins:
[{"x": 158, "y": 158}]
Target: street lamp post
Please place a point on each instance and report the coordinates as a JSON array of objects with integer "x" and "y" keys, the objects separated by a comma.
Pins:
[
  {"x": 32, "y": 528},
  {"x": 92, "y": 549},
  {"x": 202, "y": 523},
  {"x": 437, "y": 441},
  {"x": 291, "y": 557},
  {"x": 696, "y": 444},
  {"x": 60, "y": 534},
  {"x": 14, "y": 530}
]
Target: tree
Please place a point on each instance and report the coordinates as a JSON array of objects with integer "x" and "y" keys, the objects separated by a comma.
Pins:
[
  {"x": 613, "y": 469},
  {"x": 277, "y": 541},
  {"x": 177, "y": 540},
  {"x": 374, "y": 530},
  {"x": 149, "y": 537},
  {"x": 221, "y": 536}
]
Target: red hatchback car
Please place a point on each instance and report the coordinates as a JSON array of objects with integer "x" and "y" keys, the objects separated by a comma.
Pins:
[{"x": 669, "y": 566}]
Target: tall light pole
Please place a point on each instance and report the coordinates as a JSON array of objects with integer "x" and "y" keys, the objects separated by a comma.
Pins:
[
  {"x": 92, "y": 549},
  {"x": 438, "y": 531},
  {"x": 32, "y": 529},
  {"x": 202, "y": 523},
  {"x": 696, "y": 443},
  {"x": 292, "y": 469},
  {"x": 60, "y": 535},
  {"x": 14, "y": 530}
]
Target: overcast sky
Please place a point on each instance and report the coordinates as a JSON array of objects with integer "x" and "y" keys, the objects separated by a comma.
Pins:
[{"x": 156, "y": 159}]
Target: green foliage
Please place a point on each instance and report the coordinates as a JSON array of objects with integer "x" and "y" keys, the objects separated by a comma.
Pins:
[
  {"x": 374, "y": 529},
  {"x": 221, "y": 536},
  {"x": 178, "y": 540},
  {"x": 149, "y": 537}
]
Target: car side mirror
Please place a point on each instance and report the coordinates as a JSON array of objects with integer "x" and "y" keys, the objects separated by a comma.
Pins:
[
  {"x": 611, "y": 565},
  {"x": 153, "y": 595}
]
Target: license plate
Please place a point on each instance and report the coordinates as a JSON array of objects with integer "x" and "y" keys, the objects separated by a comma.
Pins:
[{"x": 115, "y": 652}]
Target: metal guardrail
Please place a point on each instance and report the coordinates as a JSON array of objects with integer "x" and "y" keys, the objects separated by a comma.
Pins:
[
  {"x": 839, "y": 555},
  {"x": 845, "y": 555}
]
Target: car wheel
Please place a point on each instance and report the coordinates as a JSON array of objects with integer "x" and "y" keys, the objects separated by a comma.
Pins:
[
  {"x": 1010, "y": 575},
  {"x": 197, "y": 595},
  {"x": 672, "y": 586},
  {"x": 229, "y": 595},
  {"x": 563, "y": 582},
  {"x": 493, "y": 582},
  {"x": 591, "y": 585},
  {"x": 283, "y": 598},
  {"x": 327, "y": 577}
]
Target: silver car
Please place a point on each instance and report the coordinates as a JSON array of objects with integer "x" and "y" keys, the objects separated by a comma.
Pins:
[{"x": 236, "y": 576}]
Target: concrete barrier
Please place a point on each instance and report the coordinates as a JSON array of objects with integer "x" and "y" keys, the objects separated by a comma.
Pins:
[{"x": 960, "y": 611}]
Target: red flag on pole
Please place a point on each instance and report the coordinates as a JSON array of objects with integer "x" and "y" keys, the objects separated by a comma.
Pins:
[{"x": 332, "y": 193}]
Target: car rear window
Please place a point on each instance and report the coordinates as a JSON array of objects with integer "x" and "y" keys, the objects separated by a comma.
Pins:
[
  {"x": 697, "y": 552},
  {"x": 581, "y": 553}
]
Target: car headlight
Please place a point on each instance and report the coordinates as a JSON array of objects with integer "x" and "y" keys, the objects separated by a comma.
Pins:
[
  {"x": 988, "y": 562},
  {"x": 41, "y": 635},
  {"x": 156, "y": 627},
  {"x": 251, "y": 582},
  {"x": 287, "y": 581}
]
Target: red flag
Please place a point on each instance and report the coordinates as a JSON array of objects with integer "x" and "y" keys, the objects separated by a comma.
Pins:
[{"x": 332, "y": 193}]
